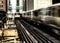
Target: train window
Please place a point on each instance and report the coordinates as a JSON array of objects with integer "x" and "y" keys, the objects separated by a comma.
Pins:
[
  {"x": 58, "y": 5},
  {"x": 53, "y": 9},
  {"x": 53, "y": 13},
  {"x": 39, "y": 13},
  {"x": 49, "y": 13},
  {"x": 36, "y": 13},
  {"x": 59, "y": 12},
  {"x": 44, "y": 11}
]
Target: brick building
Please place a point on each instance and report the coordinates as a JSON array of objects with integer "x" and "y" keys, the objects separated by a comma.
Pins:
[{"x": 3, "y": 5}]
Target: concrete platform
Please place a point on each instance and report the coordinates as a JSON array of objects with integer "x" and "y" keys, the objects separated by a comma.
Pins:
[{"x": 9, "y": 35}]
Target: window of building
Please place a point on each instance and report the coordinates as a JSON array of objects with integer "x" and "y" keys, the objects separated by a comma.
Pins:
[
  {"x": 24, "y": 5},
  {"x": 1, "y": 5},
  {"x": 17, "y": 2},
  {"x": 2, "y": 1},
  {"x": 17, "y": 10},
  {"x": 10, "y": 9}
]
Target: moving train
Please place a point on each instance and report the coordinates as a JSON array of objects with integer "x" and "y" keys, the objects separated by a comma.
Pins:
[{"x": 49, "y": 16}]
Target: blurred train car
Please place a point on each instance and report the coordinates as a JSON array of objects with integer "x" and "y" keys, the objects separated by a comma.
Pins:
[
  {"x": 49, "y": 15},
  {"x": 2, "y": 18}
]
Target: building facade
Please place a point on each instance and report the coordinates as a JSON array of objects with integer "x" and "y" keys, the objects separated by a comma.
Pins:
[
  {"x": 42, "y": 3},
  {"x": 29, "y": 4},
  {"x": 15, "y": 6},
  {"x": 11, "y": 4},
  {"x": 36, "y": 4},
  {"x": 25, "y": 5},
  {"x": 3, "y": 5}
]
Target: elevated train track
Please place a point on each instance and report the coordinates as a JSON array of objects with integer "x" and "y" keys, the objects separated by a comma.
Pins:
[
  {"x": 37, "y": 36},
  {"x": 44, "y": 27},
  {"x": 25, "y": 38}
]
